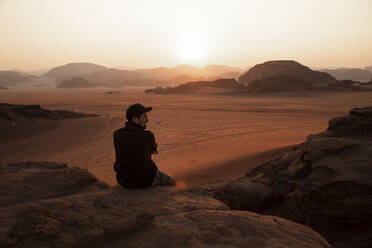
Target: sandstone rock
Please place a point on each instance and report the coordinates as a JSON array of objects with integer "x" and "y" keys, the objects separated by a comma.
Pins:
[
  {"x": 31, "y": 181},
  {"x": 325, "y": 183},
  {"x": 68, "y": 207}
]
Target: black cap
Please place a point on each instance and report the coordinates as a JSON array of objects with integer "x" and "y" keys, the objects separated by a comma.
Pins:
[{"x": 136, "y": 110}]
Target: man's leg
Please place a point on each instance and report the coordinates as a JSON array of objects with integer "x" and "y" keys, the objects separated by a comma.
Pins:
[{"x": 162, "y": 179}]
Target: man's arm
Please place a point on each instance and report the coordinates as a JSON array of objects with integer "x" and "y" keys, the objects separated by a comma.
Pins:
[{"x": 152, "y": 143}]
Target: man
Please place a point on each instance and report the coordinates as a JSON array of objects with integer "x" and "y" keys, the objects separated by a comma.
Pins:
[{"x": 133, "y": 149}]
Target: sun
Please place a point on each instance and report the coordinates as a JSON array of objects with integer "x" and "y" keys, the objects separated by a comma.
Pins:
[{"x": 191, "y": 50}]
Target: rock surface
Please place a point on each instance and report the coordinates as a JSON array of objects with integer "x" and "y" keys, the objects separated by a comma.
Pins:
[
  {"x": 325, "y": 183},
  {"x": 30, "y": 112},
  {"x": 51, "y": 205}
]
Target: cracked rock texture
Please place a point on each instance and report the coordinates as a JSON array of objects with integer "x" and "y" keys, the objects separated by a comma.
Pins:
[{"x": 47, "y": 204}]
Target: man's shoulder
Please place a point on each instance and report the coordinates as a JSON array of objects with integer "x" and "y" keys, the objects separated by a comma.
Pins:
[
  {"x": 120, "y": 130},
  {"x": 148, "y": 132},
  {"x": 135, "y": 130}
]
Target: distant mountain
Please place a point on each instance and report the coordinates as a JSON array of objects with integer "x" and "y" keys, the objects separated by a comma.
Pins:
[
  {"x": 182, "y": 78},
  {"x": 168, "y": 73},
  {"x": 215, "y": 70},
  {"x": 76, "y": 82},
  {"x": 368, "y": 68},
  {"x": 102, "y": 76},
  {"x": 91, "y": 75},
  {"x": 287, "y": 68},
  {"x": 34, "y": 72},
  {"x": 11, "y": 78},
  {"x": 230, "y": 74},
  {"x": 354, "y": 74},
  {"x": 120, "y": 78},
  {"x": 207, "y": 87},
  {"x": 71, "y": 70}
]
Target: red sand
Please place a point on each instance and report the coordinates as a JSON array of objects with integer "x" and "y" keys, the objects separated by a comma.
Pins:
[{"x": 201, "y": 138}]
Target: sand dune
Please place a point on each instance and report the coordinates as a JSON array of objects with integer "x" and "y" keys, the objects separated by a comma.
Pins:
[{"x": 199, "y": 136}]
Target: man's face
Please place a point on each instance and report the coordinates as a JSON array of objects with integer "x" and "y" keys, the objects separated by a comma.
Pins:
[{"x": 142, "y": 120}]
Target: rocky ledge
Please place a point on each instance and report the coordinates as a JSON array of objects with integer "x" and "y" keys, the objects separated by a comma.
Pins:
[
  {"x": 325, "y": 183},
  {"x": 45, "y": 204},
  {"x": 29, "y": 112}
]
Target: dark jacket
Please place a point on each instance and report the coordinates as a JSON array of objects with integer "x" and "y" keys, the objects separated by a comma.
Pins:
[{"x": 133, "y": 148}]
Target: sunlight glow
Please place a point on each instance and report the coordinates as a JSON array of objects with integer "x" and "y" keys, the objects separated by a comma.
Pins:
[
  {"x": 191, "y": 50},
  {"x": 41, "y": 34}
]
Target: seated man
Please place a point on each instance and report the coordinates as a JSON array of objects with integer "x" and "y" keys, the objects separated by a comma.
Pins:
[{"x": 133, "y": 148}]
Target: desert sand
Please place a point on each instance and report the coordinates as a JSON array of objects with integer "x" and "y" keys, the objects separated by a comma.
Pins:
[{"x": 202, "y": 138}]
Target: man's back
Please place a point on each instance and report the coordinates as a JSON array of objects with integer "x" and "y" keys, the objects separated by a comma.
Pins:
[{"x": 133, "y": 148}]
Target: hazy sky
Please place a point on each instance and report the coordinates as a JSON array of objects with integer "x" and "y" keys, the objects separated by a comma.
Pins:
[{"x": 37, "y": 34}]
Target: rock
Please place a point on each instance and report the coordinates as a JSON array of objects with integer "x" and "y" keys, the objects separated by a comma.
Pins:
[
  {"x": 358, "y": 123},
  {"x": 287, "y": 68},
  {"x": 30, "y": 112},
  {"x": 51, "y": 205},
  {"x": 31, "y": 181},
  {"x": 347, "y": 85},
  {"x": 274, "y": 84},
  {"x": 325, "y": 183},
  {"x": 111, "y": 92}
]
